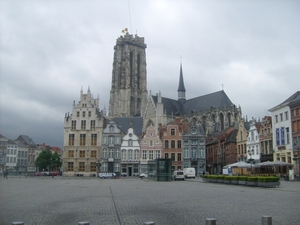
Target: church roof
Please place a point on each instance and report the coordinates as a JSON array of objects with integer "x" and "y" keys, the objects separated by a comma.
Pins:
[
  {"x": 217, "y": 99},
  {"x": 124, "y": 123}
]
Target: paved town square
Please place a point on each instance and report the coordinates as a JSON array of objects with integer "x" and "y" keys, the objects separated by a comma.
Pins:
[{"x": 61, "y": 200}]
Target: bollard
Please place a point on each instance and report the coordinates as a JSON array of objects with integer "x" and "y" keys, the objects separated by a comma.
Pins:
[
  {"x": 17, "y": 223},
  {"x": 149, "y": 223},
  {"x": 266, "y": 220},
  {"x": 84, "y": 223},
  {"x": 210, "y": 221}
]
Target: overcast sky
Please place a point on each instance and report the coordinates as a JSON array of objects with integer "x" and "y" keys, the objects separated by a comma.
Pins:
[{"x": 50, "y": 49}]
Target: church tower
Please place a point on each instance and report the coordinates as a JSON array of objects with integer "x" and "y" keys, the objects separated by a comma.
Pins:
[{"x": 128, "y": 94}]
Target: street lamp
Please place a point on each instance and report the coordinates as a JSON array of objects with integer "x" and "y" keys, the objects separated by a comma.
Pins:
[
  {"x": 250, "y": 153},
  {"x": 98, "y": 164}
]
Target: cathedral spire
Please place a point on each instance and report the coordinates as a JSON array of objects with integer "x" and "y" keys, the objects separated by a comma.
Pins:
[{"x": 181, "y": 88}]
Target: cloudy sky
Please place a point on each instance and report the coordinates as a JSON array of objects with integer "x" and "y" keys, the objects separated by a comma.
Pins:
[{"x": 50, "y": 49}]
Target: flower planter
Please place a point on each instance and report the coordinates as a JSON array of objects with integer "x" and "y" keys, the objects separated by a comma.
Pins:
[
  {"x": 234, "y": 182},
  {"x": 242, "y": 182},
  {"x": 251, "y": 183},
  {"x": 268, "y": 184},
  {"x": 227, "y": 181}
]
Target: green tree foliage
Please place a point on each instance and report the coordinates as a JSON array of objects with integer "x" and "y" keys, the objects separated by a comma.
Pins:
[{"x": 48, "y": 161}]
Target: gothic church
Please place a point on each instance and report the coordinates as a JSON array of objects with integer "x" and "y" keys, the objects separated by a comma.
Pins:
[{"x": 129, "y": 96}]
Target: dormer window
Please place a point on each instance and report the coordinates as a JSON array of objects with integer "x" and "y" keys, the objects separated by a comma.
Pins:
[{"x": 111, "y": 128}]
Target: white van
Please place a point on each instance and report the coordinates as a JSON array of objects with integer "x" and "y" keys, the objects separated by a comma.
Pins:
[
  {"x": 178, "y": 175},
  {"x": 189, "y": 172}
]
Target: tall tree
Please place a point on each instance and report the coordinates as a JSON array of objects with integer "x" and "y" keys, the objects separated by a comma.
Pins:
[{"x": 48, "y": 161}]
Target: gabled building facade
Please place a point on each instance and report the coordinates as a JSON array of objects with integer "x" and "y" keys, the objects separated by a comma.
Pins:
[
  {"x": 82, "y": 136},
  {"x": 111, "y": 148},
  {"x": 130, "y": 153},
  {"x": 253, "y": 142},
  {"x": 241, "y": 140},
  {"x": 172, "y": 144},
  {"x": 221, "y": 150},
  {"x": 26, "y": 140},
  {"x": 266, "y": 139},
  {"x": 151, "y": 148},
  {"x": 194, "y": 148}
]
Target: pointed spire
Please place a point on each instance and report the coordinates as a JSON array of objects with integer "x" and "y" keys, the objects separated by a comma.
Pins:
[{"x": 181, "y": 88}]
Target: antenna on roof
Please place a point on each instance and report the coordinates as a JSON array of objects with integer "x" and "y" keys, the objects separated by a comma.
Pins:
[
  {"x": 222, "y": 87},
  {"x": 129, "y": 15}
]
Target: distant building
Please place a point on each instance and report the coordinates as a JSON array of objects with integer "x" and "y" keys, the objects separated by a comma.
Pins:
[
  {"x": 253, "y": 142},
  {"x": 82, "y": 136},
  {"x": 130, "y": 153},
  {"x": 151, "y": 148},
  {"x": 282, "y": 130},
  {"x": 172, "y": 144},
  {"x": 266, "y": 139},
  {"x": 3, "y": 147},
  {"x": 241, "y": 140},
  {"x": 12, "y": 155},
  {"x": 111, "y": 148},
  {"x": 194, "y": 154}
]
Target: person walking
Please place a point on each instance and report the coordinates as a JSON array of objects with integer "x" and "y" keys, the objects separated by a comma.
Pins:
[{"x": 5, "y": 174}]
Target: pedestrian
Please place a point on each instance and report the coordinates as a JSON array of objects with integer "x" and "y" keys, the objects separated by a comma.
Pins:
[
  {"x": 5, "y": 174},
  {"x": 203, "y": 172}
]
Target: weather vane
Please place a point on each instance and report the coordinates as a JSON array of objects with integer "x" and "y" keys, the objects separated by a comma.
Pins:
[{"x": 125, "y": 31}]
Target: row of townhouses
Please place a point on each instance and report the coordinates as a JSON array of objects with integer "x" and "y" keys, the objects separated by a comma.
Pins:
[
  {"x": 19, "y": 155},
  {"x": 94, "y": 143}
]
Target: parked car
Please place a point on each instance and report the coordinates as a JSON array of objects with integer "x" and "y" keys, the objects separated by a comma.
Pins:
[
  {"x": 124, "y": 174},
  {"x": 107, "y": 175},
  {"x": 178, "y": 175},
  {"x": 189, "y": 172},
  {"x": 143, "y": 175}
]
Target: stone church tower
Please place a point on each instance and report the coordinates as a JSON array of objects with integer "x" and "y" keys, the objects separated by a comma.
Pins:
[{"x": 128, "y": 94}]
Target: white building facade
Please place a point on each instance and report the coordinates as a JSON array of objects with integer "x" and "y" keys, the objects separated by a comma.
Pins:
[
  {"x": 130, "y": 154},
  {"x": 11, "y": 155},
  {"x": 253, "y": 143},
  {"x": 281, "y": 124}
]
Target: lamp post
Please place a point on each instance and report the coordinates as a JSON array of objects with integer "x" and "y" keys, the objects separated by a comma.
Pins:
[
  {"x": 98, "y": 164},
  {"x": 250, "y": 153}
]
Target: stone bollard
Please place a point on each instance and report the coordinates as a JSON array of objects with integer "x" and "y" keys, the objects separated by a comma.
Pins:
[
  {"x": 17, "y": 223},
  {"x": 266, "y": 220},
  {"x": 84, "y": 223},
  {"x": 149, "y": 223},
  {"x": 210, "y": 221}
]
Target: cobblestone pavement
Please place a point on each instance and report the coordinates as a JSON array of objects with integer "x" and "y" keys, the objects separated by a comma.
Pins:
[{"x": 60, "y": 200}]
